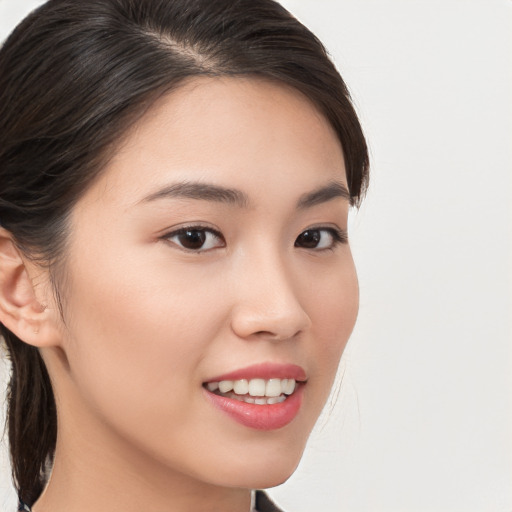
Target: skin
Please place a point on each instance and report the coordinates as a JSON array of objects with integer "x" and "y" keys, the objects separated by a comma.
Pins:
[{"x": 147, "y": 322}]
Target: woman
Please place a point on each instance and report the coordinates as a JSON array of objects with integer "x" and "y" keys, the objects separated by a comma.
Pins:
[{"x": 176, "y": 281}]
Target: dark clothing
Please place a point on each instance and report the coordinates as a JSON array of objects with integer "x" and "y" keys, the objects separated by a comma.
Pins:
[{"x": 264, "y": 504}]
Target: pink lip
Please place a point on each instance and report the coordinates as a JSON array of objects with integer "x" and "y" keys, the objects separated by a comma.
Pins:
[
  {"x": 260, "y": 417},
  {"x": 264, "y": 371}
]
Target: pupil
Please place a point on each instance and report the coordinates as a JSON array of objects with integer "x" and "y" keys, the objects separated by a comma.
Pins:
[
  {"x": 192, "y": 239},
  {"x": 309, "y": 239}
]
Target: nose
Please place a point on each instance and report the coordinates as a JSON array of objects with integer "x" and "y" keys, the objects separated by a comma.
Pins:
[{"x": 267, "y": 303}]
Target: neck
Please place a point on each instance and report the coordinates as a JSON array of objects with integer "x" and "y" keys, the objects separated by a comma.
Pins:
[{"x": 96, "y": 470}]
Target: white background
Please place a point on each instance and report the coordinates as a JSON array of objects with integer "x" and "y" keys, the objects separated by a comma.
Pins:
[{"x": 424, "y": 418}]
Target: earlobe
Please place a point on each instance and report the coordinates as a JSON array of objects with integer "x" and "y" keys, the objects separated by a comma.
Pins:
[{"x": 20, "y": 310}]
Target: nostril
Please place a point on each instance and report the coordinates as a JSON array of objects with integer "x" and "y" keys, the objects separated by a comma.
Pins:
[{"x": 276, "y": 336}]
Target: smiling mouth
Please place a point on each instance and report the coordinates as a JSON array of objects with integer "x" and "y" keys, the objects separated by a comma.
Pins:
[{"x": 254, "y": 391}]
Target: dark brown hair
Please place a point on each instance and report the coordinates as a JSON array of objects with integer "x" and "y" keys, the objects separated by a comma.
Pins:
[{"x": 74, "y": 75}]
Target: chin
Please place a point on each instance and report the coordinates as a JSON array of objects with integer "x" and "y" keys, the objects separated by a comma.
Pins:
[
  {"x": 265, "y": 471},
  {"x": 267, "y": 481},
  {"x": 263, "y": 479}
]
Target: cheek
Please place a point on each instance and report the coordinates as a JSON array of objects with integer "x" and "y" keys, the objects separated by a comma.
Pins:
[
  {"x": 141, "y": 337},
  {"x": 334, "y": 315}
]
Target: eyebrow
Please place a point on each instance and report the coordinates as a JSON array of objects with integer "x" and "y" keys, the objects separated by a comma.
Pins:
[
  {"x": 231, "y": 196},
  {"x": 324, "y": 194},
  {"x": 201, "y": 191}
]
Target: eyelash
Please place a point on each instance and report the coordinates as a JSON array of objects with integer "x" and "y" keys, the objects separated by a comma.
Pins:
[
  {"x": 197, "y": 229},
  {"x": 338, "y": 236}
]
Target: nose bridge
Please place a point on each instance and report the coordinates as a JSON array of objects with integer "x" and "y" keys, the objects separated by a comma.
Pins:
[{"x": 267, "y": 298}]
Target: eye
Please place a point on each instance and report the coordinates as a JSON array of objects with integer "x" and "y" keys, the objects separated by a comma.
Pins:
[
  {"x": 320, "y": 238},
  {"x": 196, "y": 238}
]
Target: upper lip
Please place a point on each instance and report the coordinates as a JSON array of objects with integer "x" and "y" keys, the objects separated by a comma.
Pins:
[{"x": 264, "y": 371}]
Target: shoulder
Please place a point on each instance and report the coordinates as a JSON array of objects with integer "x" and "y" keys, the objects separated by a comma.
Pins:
[{"x": 265, "y": 504}]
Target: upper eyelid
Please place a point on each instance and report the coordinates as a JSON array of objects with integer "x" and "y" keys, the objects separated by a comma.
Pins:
[
  {"x": 193, "y": 226},
  {"x": 327, "y": 227},
  {"x": 342, "y": 233}
]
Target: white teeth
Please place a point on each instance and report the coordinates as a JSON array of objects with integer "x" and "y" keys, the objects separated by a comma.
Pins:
[
  {"x": 271, "y": 388},
  {"x": 258, "y": 401},
  {"x": 289, "y": 388},
  {"x": 225, "y": 386},
  {"x": 241, "y": 387},
  {"x": 276, "y": 399},
  {"x": 213, "y": 386},
  {"x": 257, "y": 387}
]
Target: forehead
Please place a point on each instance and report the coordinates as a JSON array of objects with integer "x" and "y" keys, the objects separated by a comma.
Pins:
[{"x": 244, "y": 132}]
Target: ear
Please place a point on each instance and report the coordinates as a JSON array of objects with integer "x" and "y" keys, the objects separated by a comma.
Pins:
[{"x": 23, "y": 302}]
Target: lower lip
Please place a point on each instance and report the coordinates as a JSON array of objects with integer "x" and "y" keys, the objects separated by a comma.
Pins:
[{"x": 260, "y": 417}]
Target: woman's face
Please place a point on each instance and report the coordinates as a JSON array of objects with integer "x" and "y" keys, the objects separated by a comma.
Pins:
[{"x": 211, "y": 250}]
